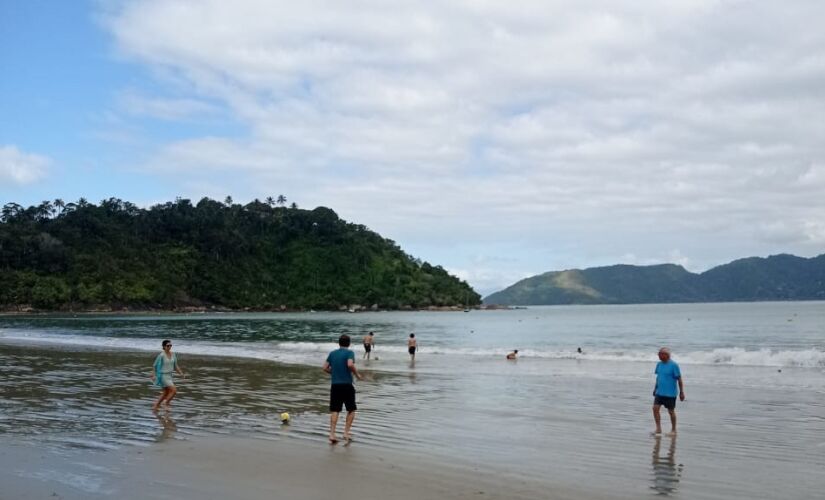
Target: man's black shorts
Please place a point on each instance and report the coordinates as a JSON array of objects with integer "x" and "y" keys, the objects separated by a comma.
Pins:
[
  {"x": 669, "y": 403},
  {"x": 368, "y": 347},
  {"x": 341, "y": 395}
]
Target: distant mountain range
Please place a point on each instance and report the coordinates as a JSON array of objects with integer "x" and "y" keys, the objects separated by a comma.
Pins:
[{"x": 778, "y": 277}]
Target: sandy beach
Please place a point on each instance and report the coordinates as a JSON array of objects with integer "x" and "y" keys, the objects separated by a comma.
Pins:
[
  {"x": 250, "y": 468},
  {"x": 463, "y": 422}
]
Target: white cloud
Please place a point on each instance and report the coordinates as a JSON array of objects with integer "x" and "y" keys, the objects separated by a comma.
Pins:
[
  {"x": 810, "y": 232},
  {"x": 488, "y": 273},
  {"x": 584, "y": 132},
  {"x": 18, "y": 167},
  {"x": 164, "y": 108}
]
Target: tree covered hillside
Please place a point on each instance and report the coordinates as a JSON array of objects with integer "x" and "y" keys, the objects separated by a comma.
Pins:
[{"x": 258, "y": 256}]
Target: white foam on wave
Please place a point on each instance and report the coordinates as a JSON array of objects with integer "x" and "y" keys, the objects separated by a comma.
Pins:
[
  {"x": 732, "y": 356},
  {"x": 807, "y": 358},
  {"x": 286, "y": 352},
  {"x": 310, "y": 352}
]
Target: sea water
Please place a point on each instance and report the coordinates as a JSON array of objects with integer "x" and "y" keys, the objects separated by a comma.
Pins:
[{"x": 752, "y": 426}]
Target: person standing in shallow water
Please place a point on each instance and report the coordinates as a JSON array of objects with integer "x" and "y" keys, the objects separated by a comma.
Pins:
[
  {"x": 668, "y": 376},
  {"x": 340, "y": 364},
  {"x": 369, "y": 343},
  {"x": 412, "y": 346},
  {"x": 166, "y": 363}
]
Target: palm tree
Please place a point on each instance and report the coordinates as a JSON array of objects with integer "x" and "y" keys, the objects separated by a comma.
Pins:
[
  {"x": 228, "y": 201},
  {"x": 44, "y": 210},
  {"x": 281, "y": 199},
  {"x": 293, "y": 205},
  {"x": 270, "y": 201},
  {"x": 10, "y": 210},
  {"x": 61, "y": 205}
]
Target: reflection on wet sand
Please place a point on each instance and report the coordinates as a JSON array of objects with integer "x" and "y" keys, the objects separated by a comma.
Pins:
[
  {"x": 666, "y": 474},
  {"x": 55, "y": 392},
  {"x": 167, "y": 425}
]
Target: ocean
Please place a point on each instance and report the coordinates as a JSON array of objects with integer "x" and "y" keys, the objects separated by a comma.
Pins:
[{"x": 752, "y": 425}]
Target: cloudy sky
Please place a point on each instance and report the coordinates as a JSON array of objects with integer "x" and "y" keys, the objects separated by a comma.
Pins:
[{"x": 498, "y": 139}]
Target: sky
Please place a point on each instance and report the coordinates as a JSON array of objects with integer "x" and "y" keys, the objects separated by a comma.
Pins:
[{"x": 497, "y": 139}]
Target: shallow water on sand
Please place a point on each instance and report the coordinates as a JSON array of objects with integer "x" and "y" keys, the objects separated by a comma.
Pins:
[{"x": 747, "y": 429}]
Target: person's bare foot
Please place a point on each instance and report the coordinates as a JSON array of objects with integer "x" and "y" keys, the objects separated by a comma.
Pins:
[
  {"x": 347, "y": 437},
  {"x": 671, "y": 433},
  {"x": 657, "y": 432},
  {"x": 332, "y": 439}
]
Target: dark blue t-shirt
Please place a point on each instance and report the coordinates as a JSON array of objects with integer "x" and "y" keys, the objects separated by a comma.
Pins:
[
  {"x": 666, "y": 376},
  {"x": 337, "y": 360}
]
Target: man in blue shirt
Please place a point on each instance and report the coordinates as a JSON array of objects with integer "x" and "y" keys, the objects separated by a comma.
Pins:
[
  {"x": 668, "y": 376},
  {"x": 340, "y": 364}
]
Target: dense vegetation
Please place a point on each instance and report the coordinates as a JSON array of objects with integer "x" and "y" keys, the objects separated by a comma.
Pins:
[
  {"x": 263, "y": 255},
  {"x": 779, "y": 277}
]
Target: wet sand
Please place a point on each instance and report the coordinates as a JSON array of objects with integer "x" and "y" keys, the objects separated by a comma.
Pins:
[
  {"x": 251, "y": 468},
  {"x": 75, "y": 421}
]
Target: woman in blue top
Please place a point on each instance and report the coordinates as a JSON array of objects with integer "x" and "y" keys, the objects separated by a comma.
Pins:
[{"x": 165, "y": 364}]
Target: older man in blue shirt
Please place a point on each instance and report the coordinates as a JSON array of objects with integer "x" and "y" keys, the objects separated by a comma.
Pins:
[{"x": 668, "y": 376}]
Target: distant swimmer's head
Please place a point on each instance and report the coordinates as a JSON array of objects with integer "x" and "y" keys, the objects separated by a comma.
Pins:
[
  {"x": 412, "y": 335},
  {"x": 344, "y": 340},
  {"x": 664, "y": 353},
  {"x": 515, "y": 351}
]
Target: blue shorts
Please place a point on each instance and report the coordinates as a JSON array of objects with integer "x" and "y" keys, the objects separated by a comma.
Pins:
[{"x": 669, "y": 403}]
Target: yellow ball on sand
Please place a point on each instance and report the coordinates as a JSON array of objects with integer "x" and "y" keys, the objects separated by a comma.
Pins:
[{"x": 284, "y": 417}]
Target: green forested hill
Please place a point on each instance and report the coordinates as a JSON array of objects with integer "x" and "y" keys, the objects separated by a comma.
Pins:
[
  {"x": 779, "y": 277},
  {"x": 257, "y": 256}
]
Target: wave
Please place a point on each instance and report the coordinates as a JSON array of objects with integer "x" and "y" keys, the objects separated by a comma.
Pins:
[
  {"x": 270, "y": 351},
  {"x": 733, "y": 356},
  {"x": 311, "y": 352},
  {"x": 730, "y": 356}
]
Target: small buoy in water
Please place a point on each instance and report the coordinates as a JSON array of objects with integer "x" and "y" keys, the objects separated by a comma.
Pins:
[
  {"x": 780, "y": 371},
  {"x": 284, "y": 418}
]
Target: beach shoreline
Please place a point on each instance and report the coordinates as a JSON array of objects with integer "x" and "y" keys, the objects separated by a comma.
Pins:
[
  {"x": 129, "y": 311},
  {"x": 248, "y": 467},
  {"x": 75, "y": 419}
]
